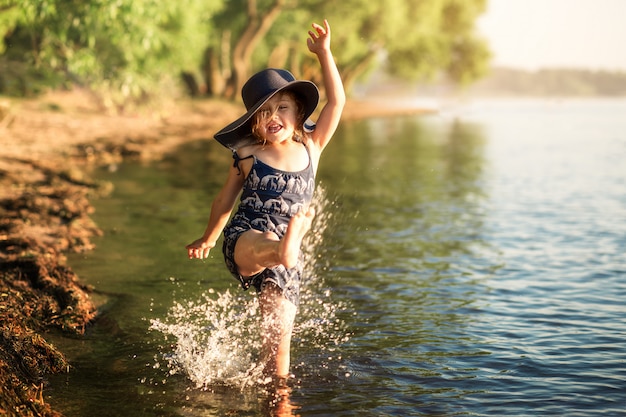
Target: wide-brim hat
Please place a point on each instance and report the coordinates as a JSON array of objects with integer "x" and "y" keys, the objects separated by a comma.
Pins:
[{"x": 261, "y": 87}]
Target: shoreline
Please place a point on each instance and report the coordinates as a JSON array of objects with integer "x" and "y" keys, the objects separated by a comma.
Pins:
[{"x": 45, "y": 212}]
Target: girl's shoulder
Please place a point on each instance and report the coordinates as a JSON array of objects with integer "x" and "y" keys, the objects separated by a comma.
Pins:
[
  {"x": 247, "y": 151},
  {"x": 244, "y": 159}
]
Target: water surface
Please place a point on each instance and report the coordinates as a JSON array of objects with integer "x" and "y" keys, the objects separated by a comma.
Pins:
[{"x": 470, "y": 262}]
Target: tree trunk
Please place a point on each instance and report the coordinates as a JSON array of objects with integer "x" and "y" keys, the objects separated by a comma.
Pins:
[
  {"x": 216, "y": 68},
  {"x": 193, "y": 89},
  {"x": 258, "y": 26},
  {"x": 279, "y": 56},
  {"x": 350, "y": 74}
]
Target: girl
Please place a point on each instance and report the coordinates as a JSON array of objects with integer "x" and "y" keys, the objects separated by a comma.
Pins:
[{"x": 275, "y": 160}]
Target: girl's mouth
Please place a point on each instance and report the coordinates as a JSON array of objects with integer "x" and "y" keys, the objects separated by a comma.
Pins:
[{"x": 274, "y": 128}]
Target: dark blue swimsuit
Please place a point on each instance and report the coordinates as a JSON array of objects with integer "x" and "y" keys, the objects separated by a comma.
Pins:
[{"x": 269, "y": 198}]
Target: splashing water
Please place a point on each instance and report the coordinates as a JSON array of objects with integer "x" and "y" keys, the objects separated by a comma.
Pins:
[
  {"x": 215, "y": 340},
  {"x": 217, "y": 337},
  {"x": 318, "y": 325}
]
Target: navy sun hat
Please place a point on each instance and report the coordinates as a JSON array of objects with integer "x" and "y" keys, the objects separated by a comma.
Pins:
[{"x": 261, "y": 87}]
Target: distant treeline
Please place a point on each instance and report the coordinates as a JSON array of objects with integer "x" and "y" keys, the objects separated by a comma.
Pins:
[
  {"x": 127, "y": 51},
  {"x": 552, "y": 82}
]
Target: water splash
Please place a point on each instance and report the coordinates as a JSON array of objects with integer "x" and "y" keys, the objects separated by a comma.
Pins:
[{"x": 216, "y": 339}]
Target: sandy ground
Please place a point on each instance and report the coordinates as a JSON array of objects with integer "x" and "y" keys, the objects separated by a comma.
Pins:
[{"x": 44, "y": 213}]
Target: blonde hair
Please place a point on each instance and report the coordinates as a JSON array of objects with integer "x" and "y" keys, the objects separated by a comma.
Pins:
[{"x": 259, "y": 119}]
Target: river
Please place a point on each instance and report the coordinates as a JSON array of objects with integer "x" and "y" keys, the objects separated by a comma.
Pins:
[{"x": 470, "y": 262}]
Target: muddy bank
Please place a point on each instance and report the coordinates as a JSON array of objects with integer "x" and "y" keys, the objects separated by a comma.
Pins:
[{"x": 44, "y": 213}]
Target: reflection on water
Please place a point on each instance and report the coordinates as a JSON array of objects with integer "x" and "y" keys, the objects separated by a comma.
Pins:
[{"x": 462, "y": 264}]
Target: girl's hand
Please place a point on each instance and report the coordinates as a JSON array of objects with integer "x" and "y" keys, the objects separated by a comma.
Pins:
[
  {"x": 319, "y": 40},
  {"x": 199, "y": 249}
]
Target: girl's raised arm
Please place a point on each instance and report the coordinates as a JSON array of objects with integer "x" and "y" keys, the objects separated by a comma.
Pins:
[{"x": 319, "y": 44}]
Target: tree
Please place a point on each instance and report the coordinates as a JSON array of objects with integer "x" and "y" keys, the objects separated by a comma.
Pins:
[
  {"x": 415, "y": 39},
  {"x": 228, "y": 63},
  {"x": 122, "y": 48},
  {"x": 126, "y": 48}
]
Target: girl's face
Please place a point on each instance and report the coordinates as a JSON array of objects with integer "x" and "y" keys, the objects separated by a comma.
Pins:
[{"x": 276, "y": 121}]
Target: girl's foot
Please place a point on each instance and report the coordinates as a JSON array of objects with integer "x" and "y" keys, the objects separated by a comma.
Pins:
[{"x": 289, "y": 248}]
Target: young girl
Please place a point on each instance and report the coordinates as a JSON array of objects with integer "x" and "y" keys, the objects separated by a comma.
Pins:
[{"x": 275, "y": 160}]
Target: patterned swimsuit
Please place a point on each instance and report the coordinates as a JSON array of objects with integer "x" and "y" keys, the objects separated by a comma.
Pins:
[{"x": 269, "y": 198}]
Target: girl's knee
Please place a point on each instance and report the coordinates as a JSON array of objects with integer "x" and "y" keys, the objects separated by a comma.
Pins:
[
  {"x": 249, "y": 239},
  {"x": 254, "y": 251}
]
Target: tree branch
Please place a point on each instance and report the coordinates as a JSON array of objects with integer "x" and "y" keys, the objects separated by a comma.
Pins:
[
  {"x": 256, "y": 29},
  {"x": 7, "y": 7}
]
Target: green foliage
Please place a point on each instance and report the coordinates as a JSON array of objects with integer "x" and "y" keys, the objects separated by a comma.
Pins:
[
  {"x": 126, "y": 48},
  {"x": 123, "y": 47},
  {"x": 414, "y": 39},
  {"x": 9, "y": 16},
  {"x": 436, "y": 36}
]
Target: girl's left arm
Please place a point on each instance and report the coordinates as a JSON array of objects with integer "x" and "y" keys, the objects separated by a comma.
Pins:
[{"x": 319, "y": 44}]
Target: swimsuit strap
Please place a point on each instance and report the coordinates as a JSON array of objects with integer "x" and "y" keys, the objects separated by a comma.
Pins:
[{"x": 238, "y": 159}]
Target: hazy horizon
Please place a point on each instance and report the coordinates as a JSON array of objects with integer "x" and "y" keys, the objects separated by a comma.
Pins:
[{"x": 538, "y": 34}]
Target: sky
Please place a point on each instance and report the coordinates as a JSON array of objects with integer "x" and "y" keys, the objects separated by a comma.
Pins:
[{"x": 533, "y": 34}]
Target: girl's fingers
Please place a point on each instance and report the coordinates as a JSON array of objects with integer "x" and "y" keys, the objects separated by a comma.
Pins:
[{"x": 320, "y": 30}]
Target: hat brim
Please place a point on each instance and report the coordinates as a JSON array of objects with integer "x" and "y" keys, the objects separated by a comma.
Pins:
[{"x": 239, "y": 133}]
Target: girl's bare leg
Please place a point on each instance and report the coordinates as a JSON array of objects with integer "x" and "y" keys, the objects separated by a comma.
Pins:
[
  {"x": 256, "y": 250},
  {"x": 289, "y": 248},
  {"x": 278, "y": 317}
]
